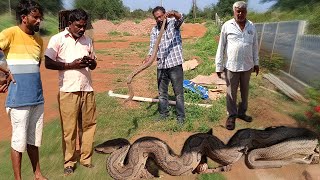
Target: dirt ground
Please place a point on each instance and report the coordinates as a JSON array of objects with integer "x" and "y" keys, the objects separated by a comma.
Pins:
[{"x": 261, "y": 111}]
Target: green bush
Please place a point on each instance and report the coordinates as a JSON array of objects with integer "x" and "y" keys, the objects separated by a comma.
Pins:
[{"x": 273, "y": 64}]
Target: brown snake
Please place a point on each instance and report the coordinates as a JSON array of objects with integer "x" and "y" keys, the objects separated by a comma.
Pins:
[
  {"x": 147, "y": 64},
  {"x": 269, "y": 148}
]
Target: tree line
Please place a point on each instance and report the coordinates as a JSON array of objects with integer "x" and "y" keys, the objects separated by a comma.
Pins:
[
  {"x": 52, "y": 6},
  {"x": 115, "y": 9}
]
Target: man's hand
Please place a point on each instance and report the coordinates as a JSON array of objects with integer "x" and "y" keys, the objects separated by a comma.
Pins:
[
  {"x": 9, "y": 78},
  {"x": 92, "y": 63},
  {"x": 256, "y": 69},
  {"x": 219, "y": 74},
  {"x": 171, "y": 14},
  {"x": 146, "y": 60},
  {"x": 3, "y": 88},
  {"x": 77, "y": 64}
]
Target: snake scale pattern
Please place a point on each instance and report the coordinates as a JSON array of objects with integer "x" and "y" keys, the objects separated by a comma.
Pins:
[{"x": 269, "y": 148}]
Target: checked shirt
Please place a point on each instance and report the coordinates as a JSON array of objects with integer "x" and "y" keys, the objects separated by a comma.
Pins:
[{"x": 170, "y": 48}]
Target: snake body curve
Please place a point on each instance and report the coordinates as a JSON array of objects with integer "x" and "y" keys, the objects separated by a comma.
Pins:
[{"x": 268, "y": 148}]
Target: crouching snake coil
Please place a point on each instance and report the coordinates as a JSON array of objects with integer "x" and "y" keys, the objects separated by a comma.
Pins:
[{"x": 272, "y": 147}]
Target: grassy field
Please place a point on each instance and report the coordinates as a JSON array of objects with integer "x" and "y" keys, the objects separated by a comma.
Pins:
[{"x": 115, "y": 120}]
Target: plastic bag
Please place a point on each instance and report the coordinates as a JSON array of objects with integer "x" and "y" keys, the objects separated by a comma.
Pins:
[{"x": 202, "y": 91}]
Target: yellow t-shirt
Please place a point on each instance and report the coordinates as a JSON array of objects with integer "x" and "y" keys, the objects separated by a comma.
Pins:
[{"x": 23, "y": 54}]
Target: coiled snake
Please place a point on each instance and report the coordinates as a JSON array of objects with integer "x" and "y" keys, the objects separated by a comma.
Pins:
[
  {"x": 269, "y": 148},
  {"x": 146, "y": 64}
]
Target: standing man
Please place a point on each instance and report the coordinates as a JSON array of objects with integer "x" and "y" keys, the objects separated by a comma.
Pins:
[
  {"x": 71, "y": 53},
  {"x": 22, "y": 47},
  {"x": 169, "y": 59},
  {"x": 237, "y": 56}
]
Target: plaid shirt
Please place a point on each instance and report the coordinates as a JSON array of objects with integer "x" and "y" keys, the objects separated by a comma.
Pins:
[{"x": 170, "y": 48}]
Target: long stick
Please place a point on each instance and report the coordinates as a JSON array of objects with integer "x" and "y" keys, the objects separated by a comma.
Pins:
[
  {"x": 145, "y": 99},
  {"x": 147, "y": 64}
]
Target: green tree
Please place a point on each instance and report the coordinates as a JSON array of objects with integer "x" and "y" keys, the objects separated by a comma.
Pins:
[
  {"x": 103, "y": 9},
  {"x": 290, "y": 4},
  {"x": 209, "y": 11},
  {"x": 53, "y": 6},
  {"x": 139, "y": 14},
  {"x": 224, "y": 7}
]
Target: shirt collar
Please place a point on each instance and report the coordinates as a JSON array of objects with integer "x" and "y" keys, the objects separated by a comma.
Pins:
[
  {"x": 66, "y": 33},
  {"x": 234, "y": 21}
]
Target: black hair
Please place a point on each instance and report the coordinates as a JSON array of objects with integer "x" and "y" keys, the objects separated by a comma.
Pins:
[
  {"x": 25, "y": 7},
  {"x": 158, "y": 8},
  {"x": 77, "y": 15}
]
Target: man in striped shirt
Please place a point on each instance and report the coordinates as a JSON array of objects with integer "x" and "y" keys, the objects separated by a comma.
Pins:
[
  {"x": 24, "y": 104},
  {"x": 169, "y": 58}
]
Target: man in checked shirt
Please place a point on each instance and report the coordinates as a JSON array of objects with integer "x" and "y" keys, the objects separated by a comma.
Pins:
[
  {"x": 169, "y": 60},
  {"x": 237, "y": 56}
]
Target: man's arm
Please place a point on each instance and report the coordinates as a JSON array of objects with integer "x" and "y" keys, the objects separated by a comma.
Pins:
[
  {"x": 179, "y": 18},
  {"x": 51, "y": 55},
  {"x": 220, "y": 52},
  {"x": 92, "y": 60},
  {"x": 56, "y": 65}
]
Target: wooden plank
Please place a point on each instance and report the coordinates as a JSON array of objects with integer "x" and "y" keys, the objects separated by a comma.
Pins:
[{"x": 285, "y": 88}]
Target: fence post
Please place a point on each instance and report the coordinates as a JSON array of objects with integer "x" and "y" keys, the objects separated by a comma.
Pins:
[
  {"x": 261, "y": 36},
  {"x": 300, "y": 31},
  {"x": 274, "y": 40}
]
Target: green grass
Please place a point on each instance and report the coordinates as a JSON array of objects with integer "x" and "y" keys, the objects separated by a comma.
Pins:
[
  {"x": 114, "y": 33},
  {"x": 204, "y": 48},
  {"x": 110, "y": 40}
]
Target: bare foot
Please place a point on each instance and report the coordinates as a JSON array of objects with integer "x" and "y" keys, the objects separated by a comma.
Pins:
[{"x": 40, "y": 177}]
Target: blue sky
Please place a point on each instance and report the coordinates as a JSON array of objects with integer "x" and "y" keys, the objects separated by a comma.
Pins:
[{"x": 183, "y": 6}]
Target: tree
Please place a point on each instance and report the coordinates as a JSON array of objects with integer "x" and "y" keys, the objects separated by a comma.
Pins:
[
  {"x": 103, "y": 9},
  {"x": 53, "y": 6},
  {"x": 224, "y": 7},
  {"x": 290, "y": 4}
]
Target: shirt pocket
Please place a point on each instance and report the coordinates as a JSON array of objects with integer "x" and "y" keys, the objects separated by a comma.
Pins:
[
  {"x": 233, "y": 37},
  {"x": 248, "y": 37}
]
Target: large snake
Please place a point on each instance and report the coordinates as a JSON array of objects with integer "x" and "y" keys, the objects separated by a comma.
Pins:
[
  {"x": 269, "y": 148},
  {"x": 146, "y": 64}
]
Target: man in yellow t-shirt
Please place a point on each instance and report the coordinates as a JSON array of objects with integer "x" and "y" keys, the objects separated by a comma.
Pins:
[{"x": 24, "y": 104}]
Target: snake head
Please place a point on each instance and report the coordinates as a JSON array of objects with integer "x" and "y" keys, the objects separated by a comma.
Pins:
[
  {"x": 111, "y": 145},
  {"x": 244, "y": 150}
]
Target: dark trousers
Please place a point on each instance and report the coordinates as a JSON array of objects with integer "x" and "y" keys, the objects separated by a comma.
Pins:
[
  {"x": 164, "y": 76},
  {"x": 234, "y": 79}
]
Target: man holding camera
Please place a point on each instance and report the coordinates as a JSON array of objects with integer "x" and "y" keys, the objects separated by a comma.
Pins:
[{"x": 71, "y": 52}]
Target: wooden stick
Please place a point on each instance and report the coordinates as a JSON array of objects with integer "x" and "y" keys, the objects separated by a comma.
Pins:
[{"x": 145, "y": 99}]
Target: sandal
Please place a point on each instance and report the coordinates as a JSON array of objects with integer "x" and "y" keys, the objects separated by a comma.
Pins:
[{"x": 230, "y": 123}]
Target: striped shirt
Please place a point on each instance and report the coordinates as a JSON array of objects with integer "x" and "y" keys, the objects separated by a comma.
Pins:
[
  {"x": 170, "y": 48},
  {"x": 23, "y": 53},
  {"x": 237, "y": 50}
]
